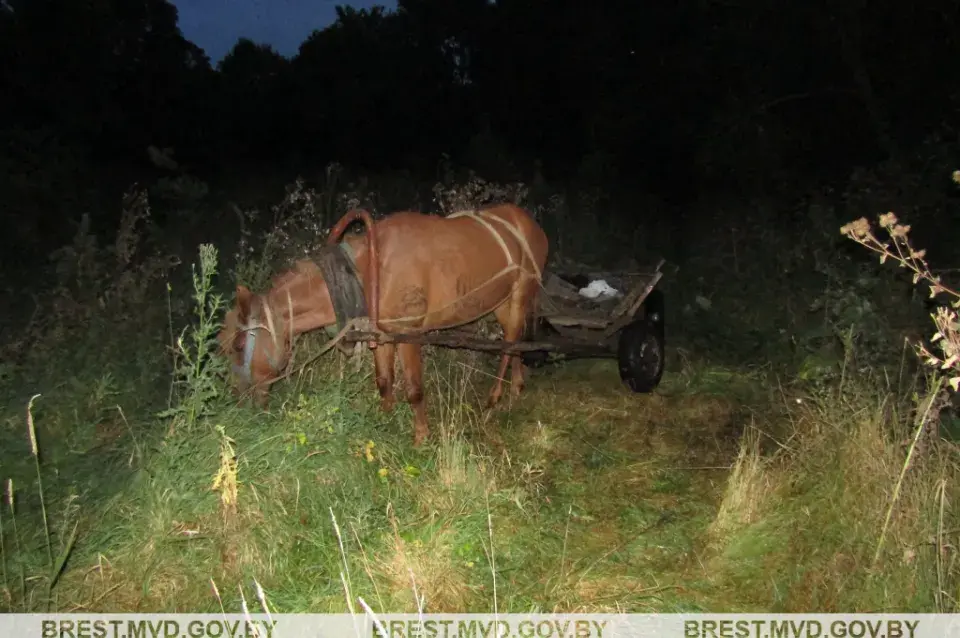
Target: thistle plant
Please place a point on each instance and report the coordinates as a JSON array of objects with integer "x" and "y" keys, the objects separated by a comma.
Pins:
[
  {"x": 198, "y": 369},
  {"x": 899, "y": 249}
]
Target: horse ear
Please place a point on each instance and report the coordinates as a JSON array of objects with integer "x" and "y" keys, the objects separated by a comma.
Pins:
[{"x": 244, "y": 297}]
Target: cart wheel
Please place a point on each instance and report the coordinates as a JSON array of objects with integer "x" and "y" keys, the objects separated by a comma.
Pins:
[
  {"x": 535, "y": 359},
  {"x": 640, "y": 353},
  {"x": 654, "y": 307},
  {"x": 535, "y": 328}
]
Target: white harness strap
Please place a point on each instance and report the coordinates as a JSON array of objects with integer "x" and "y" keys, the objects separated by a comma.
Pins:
[
  {"x": 252, "y": 327},
  {"x": 523, "y": 244},
  {"x": 270, "y": 326},
  {"x": 480, "y": 215}
]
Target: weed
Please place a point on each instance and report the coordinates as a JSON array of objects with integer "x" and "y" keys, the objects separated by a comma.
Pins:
[{"x": 199, "y": 372}]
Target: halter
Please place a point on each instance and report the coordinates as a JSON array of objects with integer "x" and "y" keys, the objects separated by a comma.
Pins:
[{"x": 252, "y": 326}]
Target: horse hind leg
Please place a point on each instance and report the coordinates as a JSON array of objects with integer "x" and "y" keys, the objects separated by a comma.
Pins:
[
  {"x": 383, "y": 358},
  {"x": 412, "y": 362},
  {"x": 517, "y": 379},
  {"x": 512, "y": 317},
  {"x": 528, "y": 321}
]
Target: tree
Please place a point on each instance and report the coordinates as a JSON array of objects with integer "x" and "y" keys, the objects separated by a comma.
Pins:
[
  {"x": 105, "y": 74},
  {"x": 257, "y": 103}
]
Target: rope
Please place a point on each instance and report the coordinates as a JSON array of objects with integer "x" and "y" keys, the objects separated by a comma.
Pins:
[{"x": 326, "y": 348}]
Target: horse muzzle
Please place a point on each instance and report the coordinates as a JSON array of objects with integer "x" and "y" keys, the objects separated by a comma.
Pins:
[{"x": 244, "y": 370}]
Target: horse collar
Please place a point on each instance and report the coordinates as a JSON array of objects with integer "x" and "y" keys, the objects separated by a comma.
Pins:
[
  {"x": 348, "y": 251},
  {"x": 338, "y": 266}
]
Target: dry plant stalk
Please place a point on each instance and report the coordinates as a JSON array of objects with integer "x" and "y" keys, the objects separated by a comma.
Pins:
[
  {"x": 226, "y": 481},
  {"x": 947, "y": 335},
  {"x": 899, "y": 249},
  {"x": 476, "y": 192}
]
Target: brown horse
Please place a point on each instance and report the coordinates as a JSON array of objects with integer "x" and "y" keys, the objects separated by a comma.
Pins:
[{"x": 418, "y": 273}]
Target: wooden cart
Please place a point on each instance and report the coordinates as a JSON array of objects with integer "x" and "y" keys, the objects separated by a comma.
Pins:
[{"x": 570, "y": 326}]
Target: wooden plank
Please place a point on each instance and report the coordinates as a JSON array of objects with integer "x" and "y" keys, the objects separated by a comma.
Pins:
[
  {"x": 620, "y": 323},
  {"x": 555, "y": 287},
  {"x": 460, "y": 339},
  {"x": 572, "y": 320},
  {"x": 628, "y": 306}
]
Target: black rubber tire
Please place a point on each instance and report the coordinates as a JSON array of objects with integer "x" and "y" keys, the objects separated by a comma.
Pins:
[
  {"x": 535, "y": 359},
  {"x": 640, "y": 351},
  {"x": 536, "y": 328},
  {"x": 654, "y": 307},
  {"x": 640, "y": 356}
]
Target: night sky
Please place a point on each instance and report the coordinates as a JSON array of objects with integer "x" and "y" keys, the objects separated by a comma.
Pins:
[{"x": 215, "y": 25}]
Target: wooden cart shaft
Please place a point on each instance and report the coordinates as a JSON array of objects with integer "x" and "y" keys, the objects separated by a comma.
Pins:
[{"x": 469, "y": 341}]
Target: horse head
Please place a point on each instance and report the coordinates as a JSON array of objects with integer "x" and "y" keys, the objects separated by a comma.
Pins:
[
  {"x": 256, "y": 339},
  {"x": 257, "y": 334}
]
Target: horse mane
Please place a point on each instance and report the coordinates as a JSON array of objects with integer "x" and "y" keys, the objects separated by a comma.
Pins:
[{"x": 301, "y": 267}]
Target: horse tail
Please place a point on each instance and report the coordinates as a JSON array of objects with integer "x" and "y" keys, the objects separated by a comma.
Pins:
[{"x": 372, "y": 261}]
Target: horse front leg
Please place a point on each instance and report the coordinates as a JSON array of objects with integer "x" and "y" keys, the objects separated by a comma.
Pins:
[
  {"x": 383, "y": 358},
  {"x": 412, "y": 361}
]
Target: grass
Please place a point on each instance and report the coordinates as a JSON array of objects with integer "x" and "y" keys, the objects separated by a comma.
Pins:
[
  {"x": 733, "y": 487},
  {"x": 599, "y": 501}
]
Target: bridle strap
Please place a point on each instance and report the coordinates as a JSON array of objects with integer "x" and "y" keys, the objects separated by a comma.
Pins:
[{"x": 252, "y": 326}]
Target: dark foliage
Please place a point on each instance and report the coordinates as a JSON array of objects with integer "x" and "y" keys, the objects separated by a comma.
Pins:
[{"x": 672, "y": 99}]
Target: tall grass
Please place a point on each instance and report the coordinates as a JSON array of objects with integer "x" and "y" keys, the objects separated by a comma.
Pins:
[{"x": 802, "y": 484}]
